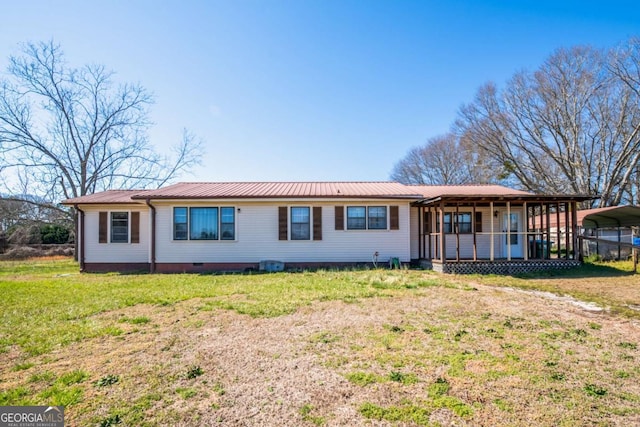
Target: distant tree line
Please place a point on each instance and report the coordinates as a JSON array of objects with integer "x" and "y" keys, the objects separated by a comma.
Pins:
[
  {"x": 570, "y": 126},
  {"x": 33, "y": 222}
]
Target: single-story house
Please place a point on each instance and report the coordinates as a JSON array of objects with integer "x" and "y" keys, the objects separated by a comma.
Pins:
[{"x": 218, "y": 226}]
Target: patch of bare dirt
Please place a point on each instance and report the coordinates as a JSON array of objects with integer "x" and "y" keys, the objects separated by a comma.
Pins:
[{"x": 284, "y": 371}]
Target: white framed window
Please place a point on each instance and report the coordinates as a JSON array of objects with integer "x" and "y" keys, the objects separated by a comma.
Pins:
[
  {"x": 300, "y": 223},
  {"x": 367, "y": 218},
  {"x": 204, "y": 223},
  {"x": 119, "y": 227}
]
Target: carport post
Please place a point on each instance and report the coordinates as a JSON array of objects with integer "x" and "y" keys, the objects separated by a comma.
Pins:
[{"x": 619, "y": 240}]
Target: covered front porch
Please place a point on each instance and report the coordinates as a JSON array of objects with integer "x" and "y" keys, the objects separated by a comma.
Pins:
[{"x": 499, "y": 234}]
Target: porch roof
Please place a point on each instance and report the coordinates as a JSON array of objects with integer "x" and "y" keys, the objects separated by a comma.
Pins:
[{"x": 520, "y": 197}]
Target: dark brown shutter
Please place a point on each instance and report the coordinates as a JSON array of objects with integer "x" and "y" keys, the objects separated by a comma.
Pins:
[
  {"x": 102, "y": 227},
  {"x": 478, "y": 228},
  {"x": 282, "y": 223},
  {"x": 394, "y": 218},
  {"x": 339, "y": 217},
  {"x": 135, "y": 227},
  {"x": 317, "y": 223}
]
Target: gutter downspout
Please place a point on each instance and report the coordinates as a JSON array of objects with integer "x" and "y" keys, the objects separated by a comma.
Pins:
[
  {"x": 152, "y": 267},
  {"x": 80, "y": 231}
]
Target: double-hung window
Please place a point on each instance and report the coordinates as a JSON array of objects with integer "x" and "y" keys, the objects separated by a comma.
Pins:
[
  {"x": 300, "y": 223},
  {"x": 448, "y": 225},
  {"x": 377, "y": 217},
  {"x": 453, "y": 222},
  {"x": 356, "y": 218},
  {"x": 204, "y": 223},
  {"x": 464, "y": 222},
  {"x": 366, "y": 218},
  {"x": 119, "y": 227},
  {"x": 227, "y": 224},
  {"x": 180, "y": 224}
]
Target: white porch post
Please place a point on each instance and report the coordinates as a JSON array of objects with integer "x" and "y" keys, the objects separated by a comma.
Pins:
[
  {"x": 526, "y": 235},
  {"x": 493, "y": 237},
  {"x": 443, "y": 248},
  {"x": 508, "y": 236}
]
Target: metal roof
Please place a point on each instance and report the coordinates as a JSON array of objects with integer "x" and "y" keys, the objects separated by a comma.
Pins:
[
  {"x": 487, "y": 193},
  {"x": 420, "y": 194},
  {"x": 106, "y": 197},
  {"x": 431, "y": 191},
  {"x": 235, "y": 190},
  {"x": 608, "y": 217},
  {"x": 612, "y": 216}
]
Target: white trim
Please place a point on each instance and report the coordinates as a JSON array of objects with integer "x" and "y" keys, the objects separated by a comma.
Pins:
[
  {"x": 345, "y": 219},
  {"x": 189, "y": 239},
  {"x": 109, "y": 225},
  {"x": 290, "y": 223}
]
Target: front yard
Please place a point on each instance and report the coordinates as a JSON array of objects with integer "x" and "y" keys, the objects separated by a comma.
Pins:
[{"x": 349, "y": 348}]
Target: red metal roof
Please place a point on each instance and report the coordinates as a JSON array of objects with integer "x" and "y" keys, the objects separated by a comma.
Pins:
[
  {"x": 106, "y": 197},
  {"x": 430, "y": 191},
  {"x": 230, "y": 190},
  {"x": 301, "y": 190}
]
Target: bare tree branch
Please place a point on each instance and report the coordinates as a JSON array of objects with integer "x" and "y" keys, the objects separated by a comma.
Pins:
[
  {"x": 444, "y": 160},
  {"x": 572, "y": 125},
  {"x": 72, "y": 131}
]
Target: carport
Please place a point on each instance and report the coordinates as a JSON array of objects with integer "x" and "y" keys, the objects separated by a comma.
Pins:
[{"x": 594, "y": 221}]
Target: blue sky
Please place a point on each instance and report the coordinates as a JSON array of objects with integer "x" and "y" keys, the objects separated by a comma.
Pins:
[{"x": 310, "y": 90}]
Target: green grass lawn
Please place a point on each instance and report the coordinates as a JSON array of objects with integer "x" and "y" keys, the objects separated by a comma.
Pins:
[
  {"x": 48, "y": 303},
  {"x": 428, "y": 349}
]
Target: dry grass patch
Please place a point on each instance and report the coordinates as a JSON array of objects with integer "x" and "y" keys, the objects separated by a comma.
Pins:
[
  {"x": 326, "y": 348},
  {"x": 612, "y": 285}
]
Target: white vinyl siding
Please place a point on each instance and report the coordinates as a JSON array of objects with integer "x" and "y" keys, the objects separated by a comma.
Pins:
[
  {"x": 120, "y": 252},
  {"x": 257, "y": 237}
]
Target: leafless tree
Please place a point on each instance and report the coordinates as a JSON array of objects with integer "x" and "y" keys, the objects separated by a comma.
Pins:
[
  {"x": 67, "y": 132},
  {"x": 24, "y": 210},
  {"x": 571, "y": 126},
  {"x": 444, "y": 160},
  {"x": 624, "y": 64}
]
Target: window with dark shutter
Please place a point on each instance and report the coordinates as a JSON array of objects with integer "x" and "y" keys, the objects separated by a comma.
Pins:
[
  {"x": 339, "y": 218},
  {"x": 282, "y": 223},
  {"x": 317, "y": 223},
  {"x": 119, "y": 227},
  {"x": 102, "y": 227},
  {"x": 394, "y": 218},
  {"x": 376, "y": 217},
  {"x": 300, "y": 223},
  {"x": 357, "y": 218},
  {"x": 135, "y": 227}
]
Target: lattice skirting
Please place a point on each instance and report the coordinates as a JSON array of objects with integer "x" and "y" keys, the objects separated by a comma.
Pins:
[{"x": 503, "y": 267}]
